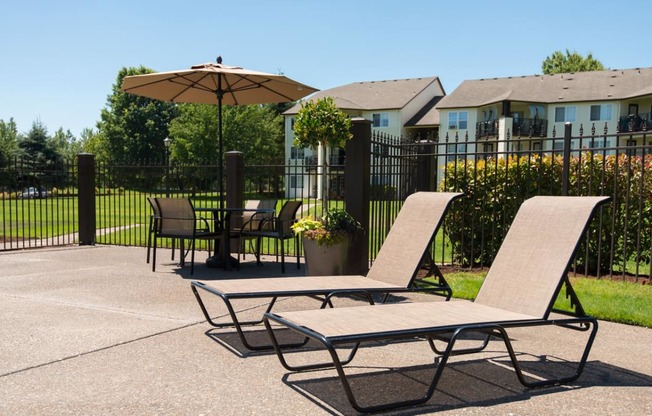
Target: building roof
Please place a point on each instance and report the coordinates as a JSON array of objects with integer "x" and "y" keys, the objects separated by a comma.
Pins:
[
  {"x": 426, "y": 117},
  {"x": 557, "y": 88},
  {"x": 374, "y": 95}
]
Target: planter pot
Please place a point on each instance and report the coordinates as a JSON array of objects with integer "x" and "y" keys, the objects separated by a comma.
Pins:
[{"x": 325, "y": 260}]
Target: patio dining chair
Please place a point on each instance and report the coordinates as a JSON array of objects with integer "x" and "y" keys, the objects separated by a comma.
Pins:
[
  {"x": 277, "y": 228},
  {"x": 178, "y": 221},
  {"x": 520, "y": 289},
  {"x": 250, "y": 221},
  {"x": 154, "y": 218}
]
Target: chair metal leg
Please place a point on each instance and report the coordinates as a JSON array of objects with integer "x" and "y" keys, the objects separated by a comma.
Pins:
[
  {"x": 282, "y": 242},
  {"x": 236, "y": 323},
  {"x": 154, "y": 254}
]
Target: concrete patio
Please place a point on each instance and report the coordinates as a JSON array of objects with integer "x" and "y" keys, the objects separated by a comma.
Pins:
[{"x": 92, "y": 330}]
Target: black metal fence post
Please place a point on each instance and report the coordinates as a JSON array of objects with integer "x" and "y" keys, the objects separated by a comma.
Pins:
[
  {"x": 565, "y": 175},
  {"x": 86, "y": 198},
  {"x": 234, "y": 179},
  {"x": 426, "y": 166},
  {"x": 357, "y": 172}
]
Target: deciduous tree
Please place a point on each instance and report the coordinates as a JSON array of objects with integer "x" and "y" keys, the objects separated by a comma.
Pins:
[
  {"x": 134, "y": 127},
  {"x": 570, "y": 62}
]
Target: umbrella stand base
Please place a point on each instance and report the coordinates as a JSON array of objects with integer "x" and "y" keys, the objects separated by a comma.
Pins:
[{"x": 218, "y": 262}]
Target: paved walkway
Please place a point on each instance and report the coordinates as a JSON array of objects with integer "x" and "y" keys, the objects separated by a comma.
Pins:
[{"x": 92, "y": 331}]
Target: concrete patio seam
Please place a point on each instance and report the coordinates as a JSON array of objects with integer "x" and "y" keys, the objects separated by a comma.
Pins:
[
  {"x": 93, "y": 307},
  {"x": 108, "y": 347}
]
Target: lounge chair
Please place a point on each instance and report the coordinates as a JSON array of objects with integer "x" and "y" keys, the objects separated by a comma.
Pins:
[
  {"x": 394, "y": 269},
  {"x": 521, "y": 286}
]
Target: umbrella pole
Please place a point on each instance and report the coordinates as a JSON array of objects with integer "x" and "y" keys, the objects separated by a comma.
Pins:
[{"x": 220, "y": 94}]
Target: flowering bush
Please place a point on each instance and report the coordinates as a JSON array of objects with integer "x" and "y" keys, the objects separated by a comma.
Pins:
[{"x": 332, "y": 228}]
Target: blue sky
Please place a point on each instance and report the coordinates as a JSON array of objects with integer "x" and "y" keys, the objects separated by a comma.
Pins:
[{"x": 60, "y": 59}]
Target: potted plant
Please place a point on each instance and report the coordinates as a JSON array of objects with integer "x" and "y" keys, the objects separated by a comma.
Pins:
[
  {"x": 326, "y": 241},
  {"x": 319, "y": 124}
]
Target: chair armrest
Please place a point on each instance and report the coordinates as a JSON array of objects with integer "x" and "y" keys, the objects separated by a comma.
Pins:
[{"x": 254, "y": 222}]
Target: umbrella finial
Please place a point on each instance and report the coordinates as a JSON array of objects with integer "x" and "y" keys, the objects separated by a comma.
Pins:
[{"x": 219, "y": 59}]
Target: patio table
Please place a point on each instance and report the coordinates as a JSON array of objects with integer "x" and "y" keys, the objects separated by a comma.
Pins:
[{"x": 223, "y": 258}]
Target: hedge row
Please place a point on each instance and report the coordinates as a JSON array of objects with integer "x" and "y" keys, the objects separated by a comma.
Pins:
[{"x": 495, "y": 188}]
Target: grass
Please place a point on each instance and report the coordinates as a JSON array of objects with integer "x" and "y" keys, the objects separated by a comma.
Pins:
[{"x": 609, "y": 300}]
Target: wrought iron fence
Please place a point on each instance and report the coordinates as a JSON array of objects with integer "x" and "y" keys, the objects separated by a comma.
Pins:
[
  {"x": 39, "y": 205},
  {"x": 40, "y": 201},
  {"x": 598, "y": 163}
]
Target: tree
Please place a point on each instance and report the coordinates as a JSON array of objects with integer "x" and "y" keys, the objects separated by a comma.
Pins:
[
  {"x": 320, "y": 124},
  {"x": 40, "y": 158},
  {"x": 37, "y": 147},
  {"x": 65, "y": 144},
  {"x": 134, "y": 127},
  {"x": 91, "y": 142},
  {"x": 8, "y": 139},
  {"x": 571, "y": 62},
  {"x": 254, "y": 130}
]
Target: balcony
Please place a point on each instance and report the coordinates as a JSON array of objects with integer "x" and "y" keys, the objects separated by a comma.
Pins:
[
  {"x": 335, "y": 162},
  {"x": 520, "y": 127},
  {"x": 633, "y": 123},
  {"x": 529, "y": 127}
]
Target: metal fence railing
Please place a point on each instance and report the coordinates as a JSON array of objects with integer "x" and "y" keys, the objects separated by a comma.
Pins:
[{"x": 39, "y": 202}]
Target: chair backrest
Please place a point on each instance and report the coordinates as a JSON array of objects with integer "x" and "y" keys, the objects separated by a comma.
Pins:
[
  {"x": 287, "y": 216},
  {"x": 415, "y": 225},
  {"x": 177, "y": 216},
  {"x": 536, "y": 254},
  {"x": 254, "y": 204},
  {"x": 152, "y": 203}
]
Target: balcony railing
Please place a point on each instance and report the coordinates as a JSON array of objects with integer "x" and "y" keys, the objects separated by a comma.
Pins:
[
  {"x": 529, "y": 127},
  {"x": 334, "y": 162},
  {"x": 520, "y": 127},
  {"x": 634, "y": 122}
]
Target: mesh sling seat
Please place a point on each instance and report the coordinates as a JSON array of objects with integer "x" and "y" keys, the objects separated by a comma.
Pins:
[
  {"x": 250, "y": 220},
  {"x": 177, "y": 220},
  {"x": 394, "y": 269},
  {"x": 275, "y": 227},
  {"x": 519, "y": 290}
]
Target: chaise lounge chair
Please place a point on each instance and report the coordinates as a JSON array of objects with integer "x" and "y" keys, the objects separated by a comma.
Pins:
[
  {"x": 528, "y": 272},
  {"x": 394, "y": 269}
]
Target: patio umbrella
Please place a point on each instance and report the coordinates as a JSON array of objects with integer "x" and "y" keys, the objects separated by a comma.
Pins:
[{"x": 216, "y": 83}]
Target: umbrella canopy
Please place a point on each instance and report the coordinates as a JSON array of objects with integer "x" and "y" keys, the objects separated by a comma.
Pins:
[
  {"x": 211, "y": 82},
  {"x": 215, "y": 83}
]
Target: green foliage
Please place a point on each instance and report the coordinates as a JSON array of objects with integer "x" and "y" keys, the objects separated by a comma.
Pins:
[
  {"x": 571, "y": 62},
  {"x": 494, "y": 189},
  {"x": 8, "y": 139},
  {"x": 321, "y": 122},
  {"x": 610, "y": 300},
  {"x": 134, "y": 127},
  {"x": 333, "y": 227}
]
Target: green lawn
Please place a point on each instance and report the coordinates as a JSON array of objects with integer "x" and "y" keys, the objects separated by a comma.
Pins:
[{"x": 610, "y": 300}]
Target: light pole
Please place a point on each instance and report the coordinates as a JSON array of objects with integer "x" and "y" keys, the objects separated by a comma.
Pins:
[{"x": 167, "y": 142}]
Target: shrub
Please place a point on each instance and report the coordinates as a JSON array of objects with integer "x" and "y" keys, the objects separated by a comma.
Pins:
[{"x": 495, "y": 188}]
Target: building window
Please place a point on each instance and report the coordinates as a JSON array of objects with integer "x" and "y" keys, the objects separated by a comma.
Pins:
[
  {"x": 601, "y": 112},
  {"x": 296, "y": 181},
  {"x": 458, "y": 120},
  {"x": 564, "y": 114},
  {"x": 292, "y": 123},
  {"x": 456, "y": 151},
  {"x": 380, "y": 120},
  {"x": 297, "y": 152}
]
